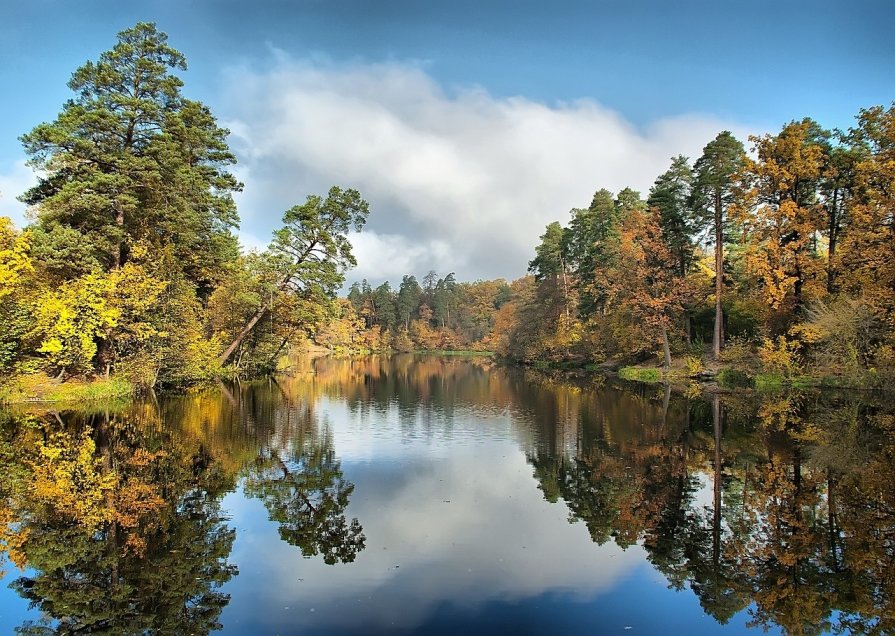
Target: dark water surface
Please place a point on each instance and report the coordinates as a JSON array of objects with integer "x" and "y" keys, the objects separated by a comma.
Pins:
[{"x": 442, "y": 496}]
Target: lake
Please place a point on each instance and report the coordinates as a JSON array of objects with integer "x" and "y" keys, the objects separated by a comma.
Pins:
[{"x": 445, "y": 495}]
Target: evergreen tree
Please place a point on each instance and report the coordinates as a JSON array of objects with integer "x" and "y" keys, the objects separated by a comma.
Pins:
[
  {"x": 715, "y": 174},
  {"x": 130, "y": 159}
]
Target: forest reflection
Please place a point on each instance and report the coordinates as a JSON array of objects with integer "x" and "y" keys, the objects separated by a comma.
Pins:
[{"x": 782, "y": 506}]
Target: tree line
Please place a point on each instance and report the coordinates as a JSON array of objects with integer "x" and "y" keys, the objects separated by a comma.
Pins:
[
  {"x": 438, "y": 314},
  {"x": 776, "y": 260},
  {"x": 784, "y": 255}
]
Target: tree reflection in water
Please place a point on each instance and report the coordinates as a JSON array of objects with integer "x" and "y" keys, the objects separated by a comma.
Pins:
[
  {"x": 116, "y": 519},
  {"x": 801, "y": 524},
  {"x": 120, "y": 529},
  {"x": 305, "y": 492}
]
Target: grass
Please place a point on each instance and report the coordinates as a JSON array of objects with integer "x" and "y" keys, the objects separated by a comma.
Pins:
[
  {"x": 42, "y": 388},
  {"x": 769, "y": 381},
  {"x": 641, "y": 374}
]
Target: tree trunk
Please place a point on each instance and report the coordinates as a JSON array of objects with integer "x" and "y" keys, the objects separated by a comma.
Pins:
[
  {"x": 254, "y": 320},
  {"x": 119, "y": 252},
  {"x": 718, "y": 334},
  {"x": 565, "y": 286},
  {"x": 832, "y": 521},
  {"x": 105, "y": 450},
  {"x": 666, "y": 349},
  {"x": 834, "y": 236}
]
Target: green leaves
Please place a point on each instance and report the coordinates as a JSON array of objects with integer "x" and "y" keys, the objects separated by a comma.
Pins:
[
  {"x": 313, "y": 242},
  {"x": 130, "y": 159}
]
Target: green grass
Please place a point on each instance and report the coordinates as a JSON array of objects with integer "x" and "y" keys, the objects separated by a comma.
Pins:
[
  {"x": 769, "y": 381},
  {"x": 640, "y": 374},
  {"x": 41, "y": 388},
  {"x": 802, "y": 382}
]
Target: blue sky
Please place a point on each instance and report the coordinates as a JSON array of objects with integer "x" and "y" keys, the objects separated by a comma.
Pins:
[{"x": 468, "y": 125}]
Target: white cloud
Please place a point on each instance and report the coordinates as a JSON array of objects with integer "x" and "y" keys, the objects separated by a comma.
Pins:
[
  {"x": 457, "y": 181},
  {"x": 15, "y": 178},
  {"x": 390, "y": 256},
  {"x": 452, "y": 503}
]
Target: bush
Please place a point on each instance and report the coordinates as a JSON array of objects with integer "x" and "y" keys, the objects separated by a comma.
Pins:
[
  {"x": 640, "y": 374},
  {"x": 842, "y": 336},
  {"x": 780, "y": 356},
  {"x": 694, "y": 366},
  {"x": 740, "y": 353}
]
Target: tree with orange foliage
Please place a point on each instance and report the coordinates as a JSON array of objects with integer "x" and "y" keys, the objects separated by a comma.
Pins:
[
  {"x": 641, "y": 278},
  {"x": 781, "y": 237},
  {"x": 868, "y": 249}
]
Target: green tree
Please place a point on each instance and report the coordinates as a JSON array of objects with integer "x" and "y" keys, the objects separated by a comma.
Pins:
[
  {"x": 551, "y": 261},
  {"x": 715, "y": 174},
  {"x": 589, "y": 234},
  {"x": 386, "y": 311},
  {"x": 313, "y": 251},
  {"x": 129, "y": 158},
  {"x": 445, "y": 299},
  {"x": 408, "y": 299},
  {"x": 671, "y": 194}
]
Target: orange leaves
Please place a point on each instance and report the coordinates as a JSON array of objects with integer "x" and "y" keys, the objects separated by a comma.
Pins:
[
  {"x": 782, "y": 234},
  {"x": 641, "y": 277}
]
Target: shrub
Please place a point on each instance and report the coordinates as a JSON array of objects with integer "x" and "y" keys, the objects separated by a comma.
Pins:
[
  {"x": 640, "y": 374},
  {"x": 731, "y": 378},
  {"x": 694, "y": 366},
  {"x": 780, "y": 356}
]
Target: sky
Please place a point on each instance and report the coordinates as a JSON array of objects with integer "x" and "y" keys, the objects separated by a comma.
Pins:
[{"x": 468, "y": 125}]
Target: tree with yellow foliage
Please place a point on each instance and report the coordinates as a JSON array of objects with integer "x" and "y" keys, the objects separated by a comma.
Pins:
[{"x": 782, "y": 235}]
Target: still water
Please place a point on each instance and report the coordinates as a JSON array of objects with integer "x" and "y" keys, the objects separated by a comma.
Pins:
[{"x": 441, "y": 496}]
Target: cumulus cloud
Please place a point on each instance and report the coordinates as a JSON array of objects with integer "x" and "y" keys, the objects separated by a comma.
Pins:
[
  {"x": 457, "y": 180},
  {"x": 15, "y": 178}
]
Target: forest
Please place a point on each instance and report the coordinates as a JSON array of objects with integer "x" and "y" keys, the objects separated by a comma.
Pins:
[{"x": 774, "y": 258}]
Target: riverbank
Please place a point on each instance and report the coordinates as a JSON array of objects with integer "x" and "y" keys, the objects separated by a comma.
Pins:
[
  {"x": 685, "y": 372},
  {"x": 39, "y": 387},
  {"x": 740, "y": 370}
]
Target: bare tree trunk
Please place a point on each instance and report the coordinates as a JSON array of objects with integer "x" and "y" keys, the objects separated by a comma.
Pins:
[
  {"x": 666, "y": 349},
  {"x": 565, "y": 286},
  {"x": 718, "y": 334},
  {"x": 834, "y": 236},
  {"x": 254, "y": 320},
  {"x": 105, "y": 449}
]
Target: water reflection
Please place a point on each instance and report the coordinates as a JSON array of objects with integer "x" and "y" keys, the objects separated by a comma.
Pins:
[
  {"x": 439, "y": 494},
  {"x": 120, "y": 530}
]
